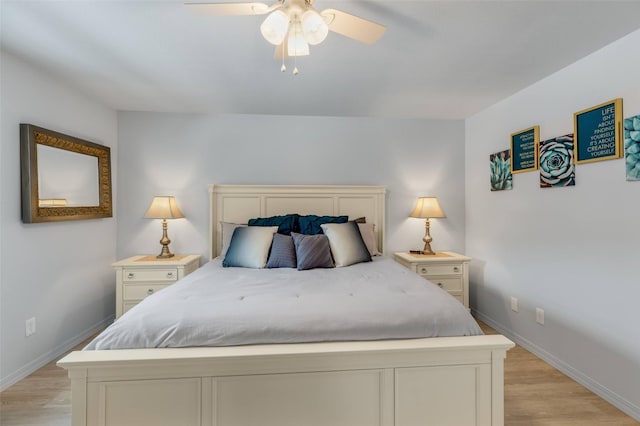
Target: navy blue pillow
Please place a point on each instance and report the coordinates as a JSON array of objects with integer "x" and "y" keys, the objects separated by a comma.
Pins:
[
  {"x": 283, "y": 252},
  {"x": 310, "y": 225},
  {"x": 286, "y": 224}
]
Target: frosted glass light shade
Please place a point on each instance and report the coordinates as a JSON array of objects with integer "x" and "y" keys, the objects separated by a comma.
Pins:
[
  {"x": 314, "y": 28},
  {"x": 275, "y": 26},
  {"x": 427, "y": 207},
  {"x": 164, "y": 207},
  {"x": 296, "y": 44}
]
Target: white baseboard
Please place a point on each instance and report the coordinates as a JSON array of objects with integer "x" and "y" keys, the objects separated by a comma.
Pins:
[
  {"x": 52, "y": 355},
  {"x": 602, "y": 391}
]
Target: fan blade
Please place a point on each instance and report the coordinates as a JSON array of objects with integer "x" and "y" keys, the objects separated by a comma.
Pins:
[
  {"x": 352, "y": 26},
  {"x": 230, "y": 9}
]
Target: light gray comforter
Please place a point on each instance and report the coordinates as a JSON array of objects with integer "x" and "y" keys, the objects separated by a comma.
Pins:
[{"x": 216, "y": 306}]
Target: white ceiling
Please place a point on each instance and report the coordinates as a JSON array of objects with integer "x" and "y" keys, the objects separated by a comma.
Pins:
[{"x": 438, "y": 59}]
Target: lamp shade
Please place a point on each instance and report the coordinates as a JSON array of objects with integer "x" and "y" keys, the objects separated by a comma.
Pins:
[
  {"x": 163, "y": 207},
  {"x": 296, "y": 44},
  {"x": 275, "y": 27},
  {"x": 314, "y": 28},
  {"x": 427, "y": 207}
]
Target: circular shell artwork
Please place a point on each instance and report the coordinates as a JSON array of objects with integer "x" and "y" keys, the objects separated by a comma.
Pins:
[{"x": 557, "y": 167}]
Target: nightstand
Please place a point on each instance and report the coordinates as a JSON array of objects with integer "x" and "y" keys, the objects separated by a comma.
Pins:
[
  {"x": 446, "y": 269},
  {"x": 140, "y": 276}
]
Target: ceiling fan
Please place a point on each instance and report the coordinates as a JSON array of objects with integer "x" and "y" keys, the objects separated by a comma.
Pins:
[{"x": 293, "y": 25}]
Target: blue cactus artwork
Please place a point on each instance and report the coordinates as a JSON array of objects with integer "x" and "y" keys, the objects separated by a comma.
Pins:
[
  {"x": 500, "y": 167},
  {"x": 632, "y": 147},
  {"x": 557, "y": 165}
]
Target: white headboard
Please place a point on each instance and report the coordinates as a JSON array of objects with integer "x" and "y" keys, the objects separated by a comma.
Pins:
[{"x": 239, "y": 203}]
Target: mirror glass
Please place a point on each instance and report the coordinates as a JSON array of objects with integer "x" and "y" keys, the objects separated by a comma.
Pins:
[{"x": 66, "y": 178}]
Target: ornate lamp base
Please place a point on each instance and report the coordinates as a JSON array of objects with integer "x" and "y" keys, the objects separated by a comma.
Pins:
[
  {"x": 427, "y": 239},
  {"x": 165, "y": 241}
]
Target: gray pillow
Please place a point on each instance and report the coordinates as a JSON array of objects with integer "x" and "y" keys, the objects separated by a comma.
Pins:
[
  {"x": 312, "y": 251},
  {"x": 283, "y": 252},
  {"x": 368, "y": 232}
]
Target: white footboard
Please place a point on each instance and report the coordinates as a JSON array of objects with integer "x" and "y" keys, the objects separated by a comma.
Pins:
[{"x": 440, "y": 381}]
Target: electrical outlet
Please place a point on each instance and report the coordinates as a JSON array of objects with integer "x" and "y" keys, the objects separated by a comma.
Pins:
[
  {"x": 30, "y": 326},
  {"x": 514, "y": 304},
  {"x": 540, "y": 316}
]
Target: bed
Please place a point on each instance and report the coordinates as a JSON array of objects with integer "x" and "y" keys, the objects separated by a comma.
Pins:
[{"x": 454, "y": 380}]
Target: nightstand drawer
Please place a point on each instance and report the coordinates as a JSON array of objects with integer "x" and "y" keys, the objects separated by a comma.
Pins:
[
  {"x": 459, "y": 298},
  {"x": 133, "y": 275},
  {"x": 139, "y": 292},
  {"x": 439, "y": 269},
  {"x": 447, "y": 283},
  {"x": 129, "y": 305}
]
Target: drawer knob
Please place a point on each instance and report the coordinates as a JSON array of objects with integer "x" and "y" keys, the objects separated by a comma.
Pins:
[
  {"x": 440, "y": 285},
  {"x": 150, "y": 291},
  {"x": 130, "y": 275},
  {"x": 456, "y": 269},
  {"x": 169, "y": 274},
  {"x": 423, "y": 270}
]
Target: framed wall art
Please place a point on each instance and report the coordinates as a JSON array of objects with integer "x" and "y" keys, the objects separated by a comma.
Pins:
[
  {"x": 557, "y": 166},
  {"x": 632, "y": 147},
  {"x": 598, "y": 132},
  {"x": 500, "y": 171},
  {"x": 524, "y": 150}
]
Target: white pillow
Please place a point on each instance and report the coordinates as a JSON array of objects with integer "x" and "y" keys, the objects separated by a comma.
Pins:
[
  {"x": 249, "y": 247},
  {"x": 227, "y": 233},
  {"x": 347, "y": 245},
  {"x": 368, "y": 232}
]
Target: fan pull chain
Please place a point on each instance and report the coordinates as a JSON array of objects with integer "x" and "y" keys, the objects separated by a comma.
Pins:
[
  {"x": 295, "y": 58},
  {"x": 283, "y": 68}
]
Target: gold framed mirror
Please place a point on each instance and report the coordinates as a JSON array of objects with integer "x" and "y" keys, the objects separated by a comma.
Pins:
[{"x": 63, "y": 177}]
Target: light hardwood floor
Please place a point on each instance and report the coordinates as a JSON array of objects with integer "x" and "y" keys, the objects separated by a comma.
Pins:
[{"x": 536, "y": 394}]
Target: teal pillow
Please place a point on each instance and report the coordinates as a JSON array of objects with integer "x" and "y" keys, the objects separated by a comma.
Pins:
[
  {"x": 249, "y": 247},
  {"x": 312, "y": 251},
  {"x": 310, "y": 225},
  {"x": 347, "y": 245},
  {"x": 286, "y": 223}
]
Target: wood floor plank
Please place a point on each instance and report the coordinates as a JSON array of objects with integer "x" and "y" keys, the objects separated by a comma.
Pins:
[{"x": 536, "y": 394}]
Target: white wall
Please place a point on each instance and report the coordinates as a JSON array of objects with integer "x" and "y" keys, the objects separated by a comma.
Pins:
[
  {"x": 59, "y": 273},
  {"x": 570, "y": 251},
  {"x": 180, "y": 155}
]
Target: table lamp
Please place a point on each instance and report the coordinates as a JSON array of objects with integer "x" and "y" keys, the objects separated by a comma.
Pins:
[
  {"x": 164, "y": 207},
  {"x": 426, "y": 208}
]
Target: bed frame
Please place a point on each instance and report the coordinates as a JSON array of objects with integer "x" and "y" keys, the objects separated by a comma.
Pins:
[{"x": 437, "y": 381}]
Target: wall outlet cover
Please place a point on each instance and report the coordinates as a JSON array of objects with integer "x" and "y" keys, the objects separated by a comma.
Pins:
[{"x": 30, "y": 327}]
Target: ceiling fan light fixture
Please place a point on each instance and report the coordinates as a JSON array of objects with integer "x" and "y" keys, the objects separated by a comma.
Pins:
[
  {"x": 297, "y": 44},
  {"x": 314, "y": 27},
  {"x": 275, "y": 27}
]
